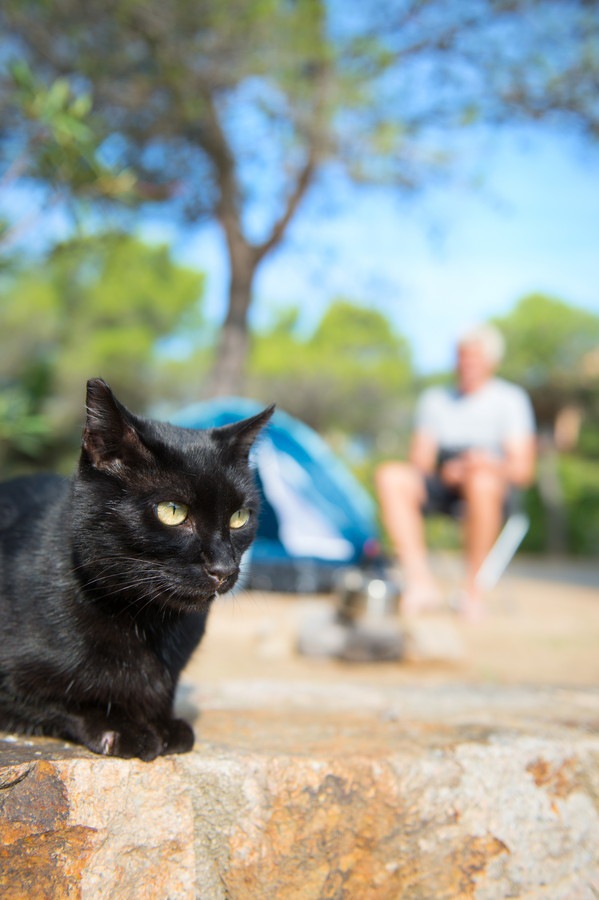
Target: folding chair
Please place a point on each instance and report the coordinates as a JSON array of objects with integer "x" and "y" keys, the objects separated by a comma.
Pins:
[{"x": 503, "y": 550}]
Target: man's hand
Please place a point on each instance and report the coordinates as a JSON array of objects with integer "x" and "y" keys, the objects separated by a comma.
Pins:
[
  {"x": 457, "y": 470},
  {"x": 516, "y": 467}
]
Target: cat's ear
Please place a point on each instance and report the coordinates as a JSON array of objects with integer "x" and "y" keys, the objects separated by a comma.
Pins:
[
  {"x": 109, "y": 437},
  {"x": 240, "y": 436}
]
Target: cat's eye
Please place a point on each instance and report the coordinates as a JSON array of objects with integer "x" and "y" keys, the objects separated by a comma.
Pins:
[
  {"x": 170, "y": 513},
  {"x": 239, "y": 518}
]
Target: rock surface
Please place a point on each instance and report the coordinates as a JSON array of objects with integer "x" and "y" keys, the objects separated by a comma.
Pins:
[{"x": 304, "y": 792}]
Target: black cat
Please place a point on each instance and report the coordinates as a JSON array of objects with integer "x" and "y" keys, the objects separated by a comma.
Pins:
[{"x": 106, "y": 580}]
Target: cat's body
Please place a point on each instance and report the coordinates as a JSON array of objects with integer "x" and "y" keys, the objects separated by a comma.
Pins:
[{"x": 106, "y": 580}]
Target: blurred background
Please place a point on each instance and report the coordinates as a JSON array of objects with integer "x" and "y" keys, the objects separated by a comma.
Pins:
[{"x": 302, "y": 201}]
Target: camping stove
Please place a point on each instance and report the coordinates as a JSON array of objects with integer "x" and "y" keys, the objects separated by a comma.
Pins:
[{"x": 365, "y": 594}]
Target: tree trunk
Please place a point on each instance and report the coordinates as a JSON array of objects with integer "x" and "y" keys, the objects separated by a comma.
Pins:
[
  {"x": 229, "y": 367},
  {"x": 227, "y": 377}
]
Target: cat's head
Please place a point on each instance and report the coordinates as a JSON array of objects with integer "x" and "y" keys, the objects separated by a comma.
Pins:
[{"x": 162, "y": 515}]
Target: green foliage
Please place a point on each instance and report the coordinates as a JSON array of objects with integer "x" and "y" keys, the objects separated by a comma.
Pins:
[
  {"x": 588, "y": 444},
  {"x": 176, "y": 85},
  {"x": 345, "y": 376},
  {"x": 20, "y": 428},
  {"x": 97, "y": 306},
  {"x": 536, "y": 539},
  {"x": 580, "y": 484},
  {"x": 548, "y": 341},
  {"x": 59, "y": 145}
]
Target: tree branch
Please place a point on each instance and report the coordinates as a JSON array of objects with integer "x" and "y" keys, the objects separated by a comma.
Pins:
[{"x": 302, "y": 183}]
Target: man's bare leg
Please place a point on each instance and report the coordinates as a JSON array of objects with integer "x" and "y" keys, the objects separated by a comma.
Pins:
[
  {"x": 484, "y": 493},
  {"x": 400, "y": 488}
]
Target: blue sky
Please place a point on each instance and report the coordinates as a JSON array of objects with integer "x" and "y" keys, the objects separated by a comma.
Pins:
[{"x": 447, "y": 258}]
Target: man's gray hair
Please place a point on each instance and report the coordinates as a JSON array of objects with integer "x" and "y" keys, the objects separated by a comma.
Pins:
[{"x": 489, "y": 337}]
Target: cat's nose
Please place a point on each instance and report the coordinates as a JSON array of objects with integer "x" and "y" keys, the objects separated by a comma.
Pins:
[{"x": 220, "y": 573}]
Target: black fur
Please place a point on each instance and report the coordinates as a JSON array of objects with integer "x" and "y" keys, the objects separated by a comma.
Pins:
[{"x": 101, "y": 605}]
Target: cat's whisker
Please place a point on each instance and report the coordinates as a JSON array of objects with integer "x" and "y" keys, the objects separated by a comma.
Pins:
[
  {"x": 150, "y": 599},
  {"x": 115, "y": 560},
  {"x": 129, "y": 586},
  {"x": 113, "y": 569},
  {"x": 112, "y": 576}
]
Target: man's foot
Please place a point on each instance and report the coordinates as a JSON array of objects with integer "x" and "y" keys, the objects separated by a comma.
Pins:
[
  {"x": 421, "y": 597},
  {"x": 469, "y": 606}
]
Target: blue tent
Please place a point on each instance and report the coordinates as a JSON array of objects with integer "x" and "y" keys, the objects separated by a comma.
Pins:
[{"x": 315, "y": 518}]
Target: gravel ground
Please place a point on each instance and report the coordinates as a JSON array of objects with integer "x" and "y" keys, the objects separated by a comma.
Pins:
[{"x": 541, "y": 628}]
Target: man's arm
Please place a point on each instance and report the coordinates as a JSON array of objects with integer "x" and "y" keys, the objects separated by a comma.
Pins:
[
  {"x": 520, "y": 461},
  {"x": 520, "y": 445}
]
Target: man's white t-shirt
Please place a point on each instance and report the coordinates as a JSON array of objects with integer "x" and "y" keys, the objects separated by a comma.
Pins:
[{"x": 486, "y": 419}]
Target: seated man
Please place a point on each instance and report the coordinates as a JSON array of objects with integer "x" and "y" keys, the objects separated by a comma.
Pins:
[{"x": 471, "y": 444}]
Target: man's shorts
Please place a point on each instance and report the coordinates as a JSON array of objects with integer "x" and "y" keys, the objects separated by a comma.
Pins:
[
  {"x": 441, "y": 498},
  {"x": 445, "y": 500}
]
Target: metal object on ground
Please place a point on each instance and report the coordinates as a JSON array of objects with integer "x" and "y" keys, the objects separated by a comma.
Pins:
[{"x": 366, "y": 594}]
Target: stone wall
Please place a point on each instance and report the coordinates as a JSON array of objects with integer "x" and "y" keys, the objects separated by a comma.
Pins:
[{"x": 303, "y": 792}]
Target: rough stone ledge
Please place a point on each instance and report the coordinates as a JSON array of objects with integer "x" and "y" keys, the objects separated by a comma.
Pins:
[{"x": 304, "y": 792}]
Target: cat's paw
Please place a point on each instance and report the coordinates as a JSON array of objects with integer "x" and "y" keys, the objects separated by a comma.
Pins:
[
  {"x": 108, "y": 740},
  {"x": 128, "y": 743},
  {"x": 180, "y": 737},
  {"x": 143, "y": 743},
  {"x": 126, "y": 739}
]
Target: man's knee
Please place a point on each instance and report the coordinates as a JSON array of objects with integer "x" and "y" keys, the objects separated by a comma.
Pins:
[
  {"x": 398, "y": 479},
  {"x": 484, "y": 486}
]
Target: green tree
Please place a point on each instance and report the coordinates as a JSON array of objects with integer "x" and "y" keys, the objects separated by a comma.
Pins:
[
  {"x": 47, "y": 136},
  {"x": 97, "y": 306},
  {"x": 349, "y": 375},
  {"x": 548, "y": 341},
  {"x": 234, "y": 110}
]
